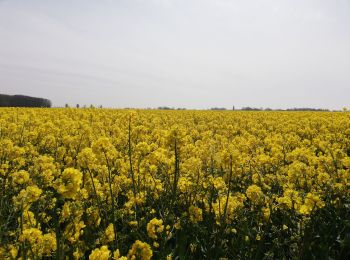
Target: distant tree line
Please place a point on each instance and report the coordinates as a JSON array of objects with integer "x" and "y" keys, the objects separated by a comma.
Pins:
[
  {"x": 288, "y": 109},
  {"x": 166, "y": 108},
  {"x": 170, "y": 108},
  {"x": 252, "y": 109},
  {"x": 23, "y": 101},
  {"x": 84, "y": 106},
  {"x": 217, "y": 108},
  {"x": 306, "y": 109}
]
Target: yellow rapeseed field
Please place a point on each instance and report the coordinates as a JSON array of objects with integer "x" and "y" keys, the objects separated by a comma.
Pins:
[{"x": 142, "y": 184}]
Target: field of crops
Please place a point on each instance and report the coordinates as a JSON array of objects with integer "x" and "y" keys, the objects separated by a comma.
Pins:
[{"x": 122, "y": 184}]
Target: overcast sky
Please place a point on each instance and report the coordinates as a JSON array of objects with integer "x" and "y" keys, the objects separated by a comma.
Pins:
[{"x": 181, "y": 53}]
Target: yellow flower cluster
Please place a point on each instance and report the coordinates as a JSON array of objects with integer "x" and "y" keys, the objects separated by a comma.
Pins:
[
  {"x": 41, "y": 245},
  {"x": 122, "y": 184},
  {"x": 69, "y": 183},
  {"x": 100, "y": 253},
  {"x": 195, "y": 214},
  {"x": 140, "y": 250},
  {"x": 312, "y": 202},
  {"x": 27, "y": 196},
  {"x": 20, "y": 177},
  {"x": 255, "y": 194},
  {"x": 155, "y": 226}
]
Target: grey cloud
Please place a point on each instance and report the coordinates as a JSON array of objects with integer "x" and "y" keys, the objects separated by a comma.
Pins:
[{"x": 195, "y": 54}]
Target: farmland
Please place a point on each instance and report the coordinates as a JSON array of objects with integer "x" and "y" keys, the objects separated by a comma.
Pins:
[{"x": 141, "y": 184}]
